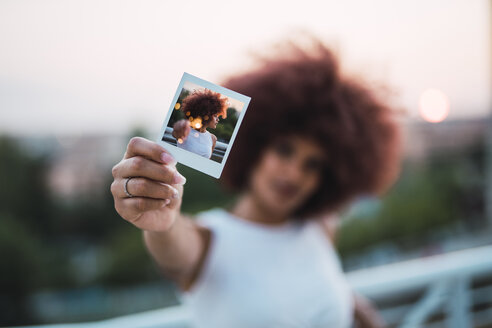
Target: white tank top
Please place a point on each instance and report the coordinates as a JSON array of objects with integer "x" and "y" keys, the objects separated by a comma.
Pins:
[
  {"x": 256, "y": 275},
  {"x": 198, "y": 142}
]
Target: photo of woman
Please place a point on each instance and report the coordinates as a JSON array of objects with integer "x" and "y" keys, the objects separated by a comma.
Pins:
[{"x": 202, "y": 109}]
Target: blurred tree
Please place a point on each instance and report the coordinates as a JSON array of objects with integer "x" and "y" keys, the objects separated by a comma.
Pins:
[
  {"x": 30, "y": 257},
  {"x": 224, "y": 129},
  {"x": 24, "y": 193},
  {"x": 127, "y": 262},
  {"x": 21, "y": 253},
  {"x": 446, "y": 189},
  {"x": 177, "y": 114}
]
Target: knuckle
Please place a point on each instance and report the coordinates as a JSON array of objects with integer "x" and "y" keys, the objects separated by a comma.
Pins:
[
  {"x": 114, "y": 171},
  {"x": 157, "y": 149},
  {"x": 113, "y": 188},
  {"x": 134, "y": 143},
  {"x": 137, "y": 163}
]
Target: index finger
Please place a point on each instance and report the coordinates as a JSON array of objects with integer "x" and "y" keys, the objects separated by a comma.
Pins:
[{"x": 138, "y": 146}]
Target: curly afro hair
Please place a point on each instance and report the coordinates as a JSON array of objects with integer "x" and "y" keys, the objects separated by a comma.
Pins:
[
  {"x": 203, "y": 104},
  {"x": 304, "y": 93}
]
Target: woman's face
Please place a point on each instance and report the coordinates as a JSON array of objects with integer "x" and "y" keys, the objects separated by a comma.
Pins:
[
  {"x": 287, "y": 173},
  {"x": 213, "y": 122}
]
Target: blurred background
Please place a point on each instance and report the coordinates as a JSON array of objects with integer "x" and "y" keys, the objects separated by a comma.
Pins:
[{"x": 78, "y": 79}]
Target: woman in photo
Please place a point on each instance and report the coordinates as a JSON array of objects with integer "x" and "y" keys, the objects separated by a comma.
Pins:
[
  {"x": 312, "y": 141},
  {"x": 202, "y": 109}
]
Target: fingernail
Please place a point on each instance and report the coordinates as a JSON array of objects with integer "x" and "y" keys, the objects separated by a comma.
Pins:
[
  {"x": 179, "y": 179},
  {"x": 166, "y": 202},
  {"x": 168, "y": 159}
]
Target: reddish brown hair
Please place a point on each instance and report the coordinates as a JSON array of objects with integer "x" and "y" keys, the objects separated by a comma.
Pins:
[
  {"x": 204, "y": 104},
  {"x": 304, "y": 93}
]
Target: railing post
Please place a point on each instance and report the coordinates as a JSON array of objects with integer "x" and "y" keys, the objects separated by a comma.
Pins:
[
  {"x": 458, "y": 303},
  {"x": 432, "y": 299}
]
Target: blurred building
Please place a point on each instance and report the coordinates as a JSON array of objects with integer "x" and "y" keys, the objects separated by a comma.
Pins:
[
  {"x": 82, "y": 164},
  {"x": 78, "y": 164},
  {"x": 423, "y": 138}
]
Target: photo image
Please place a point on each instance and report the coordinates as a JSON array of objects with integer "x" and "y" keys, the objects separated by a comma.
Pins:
[{"x": 202, "y": 122}]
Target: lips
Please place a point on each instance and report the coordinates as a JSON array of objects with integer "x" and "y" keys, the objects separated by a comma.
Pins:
[{"x": 284, "y": 189}]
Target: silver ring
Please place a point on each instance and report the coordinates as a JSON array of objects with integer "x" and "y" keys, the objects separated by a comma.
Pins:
[{"x": 126, "y": 187}]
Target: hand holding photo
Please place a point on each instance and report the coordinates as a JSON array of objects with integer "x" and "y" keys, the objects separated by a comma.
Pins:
[{"x": 201, "y": 124}]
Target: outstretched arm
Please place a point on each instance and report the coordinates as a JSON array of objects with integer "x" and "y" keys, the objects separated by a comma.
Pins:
[
  {"x": 153, "y": 204},
  {"x": 181, "y": 129}
]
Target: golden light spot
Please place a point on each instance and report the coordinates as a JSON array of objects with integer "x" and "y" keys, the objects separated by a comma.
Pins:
[
  {"x": 188, "y": 113},
  {"x": 180, "y": 140},
  {"x": 205, "y": 117},
  {"x": 177, "y": 106},
  {"x": 197, "y": 122},
  {"x": 190, "y": 118},
  {"x": 434, "y": 105}
]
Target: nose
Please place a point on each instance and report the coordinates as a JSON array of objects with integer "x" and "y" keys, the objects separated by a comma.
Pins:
[{"x": 294, "y": 171}]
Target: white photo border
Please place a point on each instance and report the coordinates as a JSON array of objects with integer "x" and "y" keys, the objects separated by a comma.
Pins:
[{"x": 188, "y": 158}]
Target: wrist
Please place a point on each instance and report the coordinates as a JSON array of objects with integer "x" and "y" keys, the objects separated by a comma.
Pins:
[{"x": 163, "y": 230}]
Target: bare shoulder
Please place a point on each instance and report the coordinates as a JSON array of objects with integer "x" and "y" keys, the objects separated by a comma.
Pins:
[
  {"x": 206, "y": 237},
  {"x": 329, "y": 225},
  {"x": 214, "y": 141}
]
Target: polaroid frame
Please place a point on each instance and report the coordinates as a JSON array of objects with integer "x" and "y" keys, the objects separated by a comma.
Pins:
[{"x": 188, "y": 158}]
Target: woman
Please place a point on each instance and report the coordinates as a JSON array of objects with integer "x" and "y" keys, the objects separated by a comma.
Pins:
[
  {"x": 311, "y": 141},
  {"x": 202, "y": 108}
]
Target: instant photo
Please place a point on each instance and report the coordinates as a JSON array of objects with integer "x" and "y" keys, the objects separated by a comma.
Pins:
[{"x": 201, "y": 124}]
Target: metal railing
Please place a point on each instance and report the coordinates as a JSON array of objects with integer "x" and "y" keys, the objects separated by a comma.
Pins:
[
  {"x": 450, "y": 290},
  {"x": 446, "y": 290}
]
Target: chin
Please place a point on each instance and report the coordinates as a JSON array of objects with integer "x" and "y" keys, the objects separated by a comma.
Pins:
[{"x": 278, "y": 206}]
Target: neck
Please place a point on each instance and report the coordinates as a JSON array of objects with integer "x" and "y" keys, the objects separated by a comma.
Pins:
[{"x": 250, "y": 208}]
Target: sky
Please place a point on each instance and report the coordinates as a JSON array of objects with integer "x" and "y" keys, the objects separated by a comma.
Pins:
[{"x": 104, "y": 66}]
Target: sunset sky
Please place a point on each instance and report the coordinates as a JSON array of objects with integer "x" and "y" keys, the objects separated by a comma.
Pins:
[{"x": 105, "y": 66}]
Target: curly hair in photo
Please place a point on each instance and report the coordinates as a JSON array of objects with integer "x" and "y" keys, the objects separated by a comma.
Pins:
[
  {"x": 203, "y": 104},
  {"x": 304, "y": 93}
]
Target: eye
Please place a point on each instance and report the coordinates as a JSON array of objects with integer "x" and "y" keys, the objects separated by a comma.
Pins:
[
  {"x": 284, "y": 149},
  {"x": 314, "y": 165}
]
